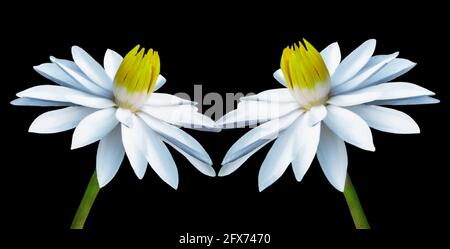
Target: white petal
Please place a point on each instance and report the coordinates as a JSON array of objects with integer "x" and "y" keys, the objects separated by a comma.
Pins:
[
  {"x": 59, "y": 120},
  {"x": 349, "y": 127},
  {"x": 48, "y": 92},
  {"x": 392, "y": 70},
  {"x": 355, "y": 98},
  {"x": 279, "y": 156},
  {"x": 124, "y": 116},
  {"x": 377, "y": 59},
  {"x": 398, "y": 90},
  {"x": 375, "y": 65},
  {"x": 91, "y": 68},
  {"x": 259, "y": 135},
  {"x": 306, "y": 141},
  {"x": 316, "y": 114},
  {"x": 79, "y": 76},
  {"x": 52, "y": 72},
  {"x": 203, "y": 167},
  {"x": 110, "y": 155},
  {"x": 130, "y": 140},
  {"x": 421, "y": 100},
  {"x": 94, "y": 127},
  {"x": 353, "y": 62},
  {"x": 232, "y": 166},
  {"x": 273, "y": 95},
  {"x": 386, "y": 119},
  {"x": 111, "y": 63},
  {"x": 37, "y": 102},
  {"x": 332, "y": 57},
  {"x": 278, "y": 75},
  {"x": 66, "y": 63},
  {"x": 252, "y": 112},
  {"x": 186, "y": 116},
  {"x": 160, "y": 81},
  {"x": 332, "y": 156},
  {"x": 89, "y": 100},
  {"x": 156, "y": 153},
  {"x": 65, "y": 94},
  {"x": 178, "y": 137},
  {"x": 162, "y": 99},
  {"x": 70, "y": 65}
]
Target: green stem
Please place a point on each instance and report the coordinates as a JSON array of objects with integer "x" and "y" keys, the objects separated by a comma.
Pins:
[
  {"x": 86, "y": 203},
  {"x": 356, "y": 210}
]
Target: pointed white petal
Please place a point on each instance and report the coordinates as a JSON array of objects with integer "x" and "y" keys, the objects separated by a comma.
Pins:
[
  {"x": 201, "y": 166},
  {"x": 349, "y": 127},
  {"x": 89, "y": 100},
  {"x": 160, "y": 81},
  {"x": 273, "y": 95},
  {"x": 279, "y": 156},
  {"x": 386, "y": 119},
  {"x": 111, "y": 63},
  {"x": 392, "y": 70},
  {"x": 94, "y": 127},
  {"x": 91, "y": 68},
  {"x": 156, "y": 153},
  {"x": 351, "y": 65},
  {"x": 124, "y": 116},
  {"x": 67, "y": 63},
  {"x": 37, "y": 102},
  {"x": 332, "y": 57},
  {"x": 77, "y": 75},
  {"x": 259, "y": 135},
  {"x": 354, "y": 98},
  {"x": 48, "y": 92},
  {"x": 162, "y": 99},
  {"x": 130, "y": 140},
  {"x": 332, "y": 156},
  {"x": 316, "y": 114},
  {"x": 232, "y": 166},
  {"x": 306, "y": 141},
  {"x": 178, "y": 137},
  {"x": 59, "y": 120},
  {"x": 398, "y": 90},
  {"x": 373, "y": 66},
  {"x": 52, "y": 72},
  {"x": 377, "y": 59},
  {"x": 65, "y": 94},
  {"x": 278, "y": 75},
  {"x": 110, "y": 155},
  {"x": 252, "y": 112},
  {"x": 70, "y": 65},
  {"x": 421, "y": 100}
]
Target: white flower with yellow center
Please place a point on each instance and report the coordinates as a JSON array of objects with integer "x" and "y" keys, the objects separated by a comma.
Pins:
[
  {"x": 117, "y": 104},
  {"x": 324, "y": 103}
]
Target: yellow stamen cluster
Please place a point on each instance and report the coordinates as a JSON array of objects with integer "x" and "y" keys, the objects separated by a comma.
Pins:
[
  {"x": 303, "y": 67},
  {"x": 138, "y": 71}
]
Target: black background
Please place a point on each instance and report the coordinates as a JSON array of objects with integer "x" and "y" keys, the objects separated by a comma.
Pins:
[{"x": 226, "y": 48}]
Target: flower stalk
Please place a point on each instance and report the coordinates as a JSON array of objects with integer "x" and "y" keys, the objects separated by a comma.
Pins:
[
  {"x": 86, "y": 203},
  {"x": 354, "y": 205}
]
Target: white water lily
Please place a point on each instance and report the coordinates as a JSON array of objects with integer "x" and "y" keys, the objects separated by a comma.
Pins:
[
  {"x": 117, "y": 104},
  {"x": 324, "y": 103}
]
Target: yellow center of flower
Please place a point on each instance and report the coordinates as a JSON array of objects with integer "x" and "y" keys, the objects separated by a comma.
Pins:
[
  {"x": 306, "y": 74},
  {"x": 136, "y": 78}
]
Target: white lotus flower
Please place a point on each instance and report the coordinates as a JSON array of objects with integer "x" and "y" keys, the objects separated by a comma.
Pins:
[
  {"x": 324, "y": 102},
  {"x": 117, "y": 104}
]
